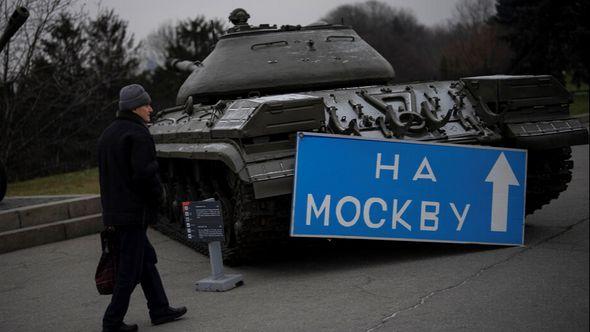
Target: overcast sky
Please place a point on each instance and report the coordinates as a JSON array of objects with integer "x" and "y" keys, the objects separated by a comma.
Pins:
[{"x": 144, "y": 16}]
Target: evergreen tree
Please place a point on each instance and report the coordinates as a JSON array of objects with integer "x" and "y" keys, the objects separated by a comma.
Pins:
[
  {"x": 112, "y": 59},
  {"x": 70, "y": 94},
  {"x": 395, "y": 33},
  {"x": 50, "y": 102},
  {"x": 547, "y": 36},
  {"x": 472, "y": 46},
  {"x": 190, "y": 39}
]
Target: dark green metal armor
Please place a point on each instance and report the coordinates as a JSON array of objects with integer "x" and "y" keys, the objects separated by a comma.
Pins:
[{"x": 232, "y": 134}]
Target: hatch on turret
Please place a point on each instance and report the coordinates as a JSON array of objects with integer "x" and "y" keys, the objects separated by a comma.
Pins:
[{"x": 265, "y": 60}]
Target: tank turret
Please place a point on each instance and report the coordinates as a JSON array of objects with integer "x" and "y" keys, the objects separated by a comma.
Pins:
[{"x": 264, "y": 59}]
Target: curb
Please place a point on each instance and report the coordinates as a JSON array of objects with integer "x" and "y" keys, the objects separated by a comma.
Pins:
[
  {"x": 48, "y": 233},
  {"x": 33, "y": 225},
  {"x": 44, "y": 213}
]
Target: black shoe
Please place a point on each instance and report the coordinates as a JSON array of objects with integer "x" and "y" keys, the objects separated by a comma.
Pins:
[
  {"x": 167, "y": 315},
  {"x": 121, "y": 328},
  {"x": 128, "y": 328}
]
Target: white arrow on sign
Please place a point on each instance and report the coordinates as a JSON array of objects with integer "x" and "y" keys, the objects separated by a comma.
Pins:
[{"x": 501, "y": 176}]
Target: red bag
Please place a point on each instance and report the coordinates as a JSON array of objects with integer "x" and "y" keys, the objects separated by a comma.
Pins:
[{"x": 106, "y": 271}]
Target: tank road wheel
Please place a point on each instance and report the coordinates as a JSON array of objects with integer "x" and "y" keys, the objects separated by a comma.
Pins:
[
  {"x": 3, "y": 180},
  {"x": 183, "y": 186},
  {"x": 223, "y": 194},
  {"x": 549, "y": 172},
  {"x": 219, "y": 188},
  {"x": 260, "y": 225},
  {"x": 170, "y": 214},
  {"x": 251, "y": 226},
  {"x": 178, "y": 196},
  {"x": 167, "y": 209},
  {"x": 179, "y": 187}
]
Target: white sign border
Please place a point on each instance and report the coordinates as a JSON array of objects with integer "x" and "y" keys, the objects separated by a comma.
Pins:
[{"x": 301, "y": 135}]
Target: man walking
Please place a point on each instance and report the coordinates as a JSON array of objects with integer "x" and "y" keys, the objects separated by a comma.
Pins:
[{"x": 130, "y": 192}]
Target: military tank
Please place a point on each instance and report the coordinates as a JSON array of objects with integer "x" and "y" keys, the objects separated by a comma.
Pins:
[
  {"x": 16, "y": 20},
  {"x": 232, "y": 134}
]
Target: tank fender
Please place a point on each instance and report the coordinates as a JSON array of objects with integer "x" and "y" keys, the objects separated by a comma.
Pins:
[
  {"x": 226, "y": 152},
  {"x": 510, "y": 99},
  {"x": 544, "y": 135}
]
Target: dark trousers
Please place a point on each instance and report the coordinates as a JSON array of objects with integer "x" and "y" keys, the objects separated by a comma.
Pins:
[{"x": 137, "y": 264}]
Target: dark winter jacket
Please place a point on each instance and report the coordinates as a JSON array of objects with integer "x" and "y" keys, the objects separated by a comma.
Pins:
[{"x": 130, "y": 188}]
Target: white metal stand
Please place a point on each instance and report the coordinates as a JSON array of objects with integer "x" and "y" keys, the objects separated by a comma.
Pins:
[{"x": 218, "y": 282}]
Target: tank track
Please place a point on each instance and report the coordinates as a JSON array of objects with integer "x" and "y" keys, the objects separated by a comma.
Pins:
[
  {"x": 549, "y": 172},
  {"x": 260, "y": 225},
  {"x": 187, "y": 191},
  {"x": 177, "y": 233},
  {"x": 256, "y": 227},
  {"x": 252, "y": 227}
]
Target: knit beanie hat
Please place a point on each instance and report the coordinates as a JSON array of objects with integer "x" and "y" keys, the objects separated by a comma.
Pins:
[{"x": 133, "y": 96}]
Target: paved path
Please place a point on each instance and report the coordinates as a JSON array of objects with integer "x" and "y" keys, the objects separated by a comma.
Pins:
[{"x": 351, "y": 286}]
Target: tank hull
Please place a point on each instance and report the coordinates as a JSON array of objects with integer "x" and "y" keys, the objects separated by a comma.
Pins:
[{"x": 242, "y": 151}]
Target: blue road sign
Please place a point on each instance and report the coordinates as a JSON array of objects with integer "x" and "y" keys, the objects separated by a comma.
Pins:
[{"x": 350, "y": 187}]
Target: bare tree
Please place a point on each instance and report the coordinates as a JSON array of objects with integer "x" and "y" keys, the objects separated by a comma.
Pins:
[
  {"x": 18, "y": 56},
  {"x": 473, "y": 46},
  {"x": 64, "y": 91},
  {"x": 188, "y": 39},
  {"x": 153, "y": 47},
  {"x": 25, "y": 45},
  {"x": 473, "y": 13},
  {"x": 409, "y": 46}
]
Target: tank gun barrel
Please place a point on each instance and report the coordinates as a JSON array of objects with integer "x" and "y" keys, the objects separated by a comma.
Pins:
[
  {"x": 183, "y": 65},
  {"x": 16, "y": 20}
]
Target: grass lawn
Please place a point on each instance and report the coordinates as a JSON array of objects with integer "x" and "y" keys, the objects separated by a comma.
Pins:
[
  {"x": 581, "y": 98},
  {"x": 81, "y": 182},
  {"x": 580, "y": 104}
]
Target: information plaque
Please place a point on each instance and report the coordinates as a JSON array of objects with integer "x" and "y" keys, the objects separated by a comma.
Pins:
[{"x": 203, "y": 221}]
